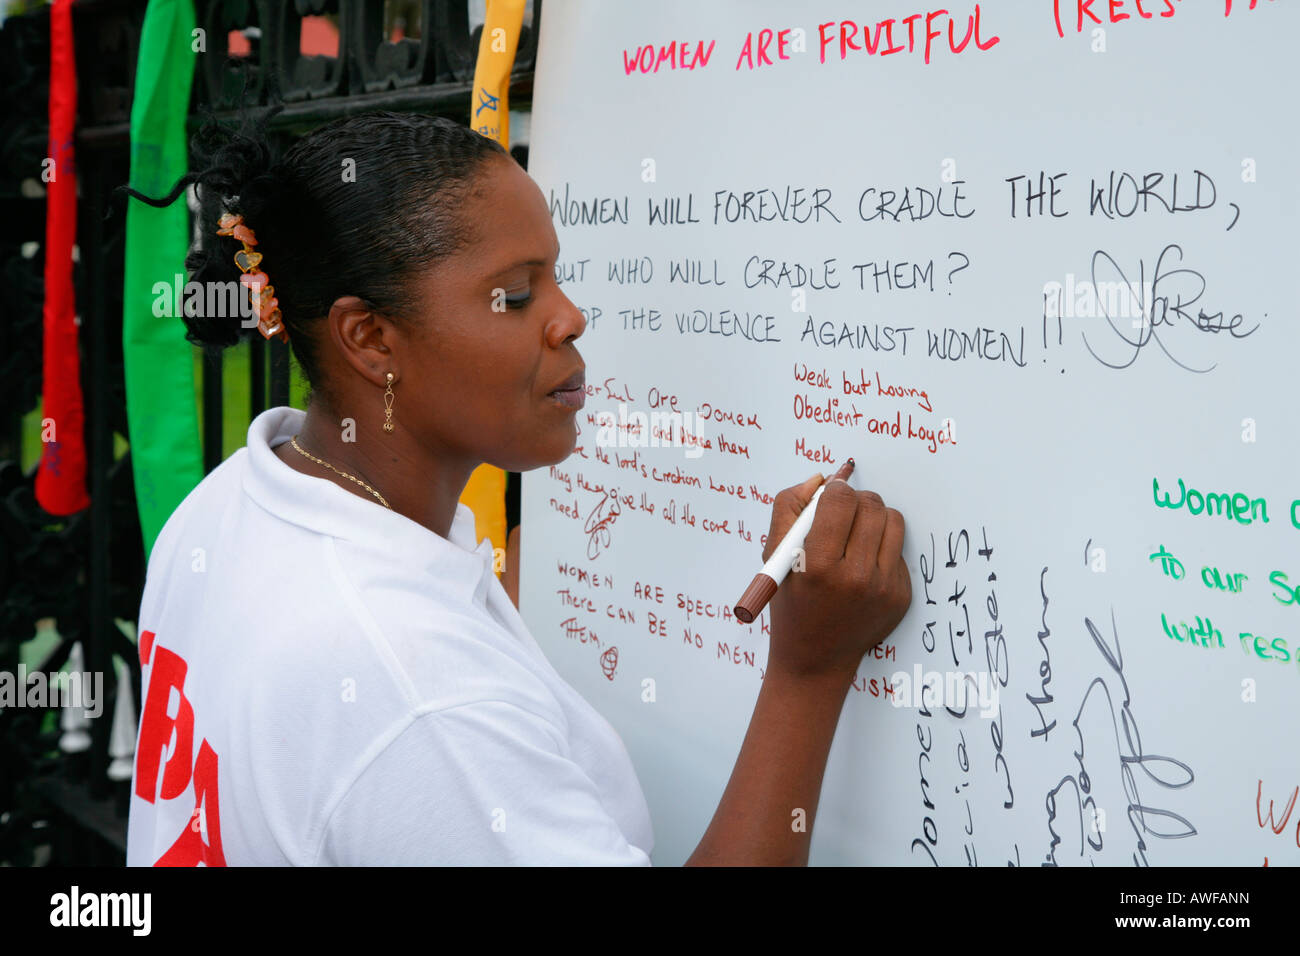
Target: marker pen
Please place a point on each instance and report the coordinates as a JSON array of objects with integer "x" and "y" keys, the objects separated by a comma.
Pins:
[{"x": 765, "y": 583}]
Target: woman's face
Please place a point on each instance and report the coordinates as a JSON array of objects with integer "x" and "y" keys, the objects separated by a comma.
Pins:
[{"x": 496, "y": 336}]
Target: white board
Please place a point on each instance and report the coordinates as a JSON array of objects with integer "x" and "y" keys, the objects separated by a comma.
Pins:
[{"x": 1057, "y": 414}]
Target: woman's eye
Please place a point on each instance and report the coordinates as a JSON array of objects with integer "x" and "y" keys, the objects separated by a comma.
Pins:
[{"x": 518, "y": 300}]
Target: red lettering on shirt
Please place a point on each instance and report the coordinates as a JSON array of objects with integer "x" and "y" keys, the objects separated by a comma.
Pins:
[
  {"x": 157, "y": 729},
  {"x": 189, "y": 848}
]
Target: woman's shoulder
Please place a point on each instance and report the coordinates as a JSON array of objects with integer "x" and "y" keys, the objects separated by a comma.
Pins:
[
  {"x": 443, "y": 650},
  {"x": 314, "y": 609},
  {"x": 217, "y": 486}
]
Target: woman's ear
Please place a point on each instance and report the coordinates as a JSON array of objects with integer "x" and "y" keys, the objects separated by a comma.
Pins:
[{"x": 364, "y": 337}]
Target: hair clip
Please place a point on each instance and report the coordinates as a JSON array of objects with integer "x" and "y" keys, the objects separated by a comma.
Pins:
[{"x": 269, "y": 320}]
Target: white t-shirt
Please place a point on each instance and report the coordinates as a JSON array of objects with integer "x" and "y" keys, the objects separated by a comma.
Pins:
[{"x": 327, "y": 682}]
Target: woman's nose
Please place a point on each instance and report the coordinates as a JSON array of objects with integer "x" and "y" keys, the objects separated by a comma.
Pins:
[{"x": 568, "y": 323}]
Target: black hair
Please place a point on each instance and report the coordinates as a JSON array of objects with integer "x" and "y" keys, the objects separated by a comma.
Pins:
[{"x": 356, "y": 207}]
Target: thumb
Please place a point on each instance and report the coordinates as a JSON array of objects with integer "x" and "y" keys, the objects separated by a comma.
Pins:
[{"x": 790, "y": 502}]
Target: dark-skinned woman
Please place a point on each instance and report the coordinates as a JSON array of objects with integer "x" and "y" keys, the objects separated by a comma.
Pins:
[{"x": 333, "y": 673}]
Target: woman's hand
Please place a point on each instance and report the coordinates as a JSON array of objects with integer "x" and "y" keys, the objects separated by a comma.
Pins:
[
  {"x": 853, "y": 589},
  {"x": 850, "y": 593}
]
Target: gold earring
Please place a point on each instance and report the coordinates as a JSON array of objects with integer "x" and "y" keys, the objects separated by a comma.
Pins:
[{"x": 388, "y": 405}]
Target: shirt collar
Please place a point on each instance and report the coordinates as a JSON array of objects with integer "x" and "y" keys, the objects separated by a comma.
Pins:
[{"x": 319, "y": 505}]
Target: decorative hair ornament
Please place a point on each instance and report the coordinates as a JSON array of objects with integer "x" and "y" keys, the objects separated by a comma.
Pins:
[{"x": 269, "y": 320}]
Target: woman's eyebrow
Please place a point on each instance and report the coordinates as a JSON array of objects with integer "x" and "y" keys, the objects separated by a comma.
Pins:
[
  {"x": 525, "y": 262},
  {"x": 522, "y": 263}
]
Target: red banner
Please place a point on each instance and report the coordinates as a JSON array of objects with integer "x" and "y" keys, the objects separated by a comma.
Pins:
[{"x": 61, "y": 479}]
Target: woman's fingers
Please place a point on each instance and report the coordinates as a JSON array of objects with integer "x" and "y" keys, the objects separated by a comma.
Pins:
[{"x": 788, "y": 505}]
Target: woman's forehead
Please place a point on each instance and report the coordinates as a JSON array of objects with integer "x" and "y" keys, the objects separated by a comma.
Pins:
[{"x": 507, "y": 223}]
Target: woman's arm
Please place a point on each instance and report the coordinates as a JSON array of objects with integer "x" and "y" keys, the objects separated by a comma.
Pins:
[
  {"x": 766, "y": 814},
  {"x": 852, "y": 594}
]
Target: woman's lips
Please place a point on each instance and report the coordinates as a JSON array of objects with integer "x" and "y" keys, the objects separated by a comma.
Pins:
[
  {"x": 573, "y": 398},
  {"x": 572, "y": 392}
]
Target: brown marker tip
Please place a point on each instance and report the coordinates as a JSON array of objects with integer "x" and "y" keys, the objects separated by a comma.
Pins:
[{"x": 755, "y": 598}]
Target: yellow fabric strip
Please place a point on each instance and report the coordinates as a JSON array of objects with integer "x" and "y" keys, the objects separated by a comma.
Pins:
[{"x": 485, "y": 494}]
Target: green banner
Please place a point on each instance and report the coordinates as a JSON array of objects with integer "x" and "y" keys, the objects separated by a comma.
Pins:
[{"x": 166, "y": 452}]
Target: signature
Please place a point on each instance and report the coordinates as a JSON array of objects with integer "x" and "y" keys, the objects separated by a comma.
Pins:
[
  {"x": 1166, "y": 772},
  {"x": 1164, "y": 303},
  {"x": 600, "y": 520}
]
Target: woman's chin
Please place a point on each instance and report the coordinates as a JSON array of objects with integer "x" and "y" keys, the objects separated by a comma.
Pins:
[
  {"x": 561, "y": 455},
  {"x": 542, "y": 457}
]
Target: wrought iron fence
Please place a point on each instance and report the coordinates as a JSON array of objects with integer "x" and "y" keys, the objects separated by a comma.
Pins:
[{"x": 70, "y": 586}]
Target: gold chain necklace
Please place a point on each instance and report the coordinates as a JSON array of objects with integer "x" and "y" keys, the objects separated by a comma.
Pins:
[{"x": 294, "y": 441}]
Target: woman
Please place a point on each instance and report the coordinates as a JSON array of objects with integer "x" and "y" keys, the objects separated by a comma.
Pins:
[{"x": 334, "y": 673}]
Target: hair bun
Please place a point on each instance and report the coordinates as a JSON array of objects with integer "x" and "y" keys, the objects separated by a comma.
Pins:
[
  {"x": 236, "y": 163},
  {"x": 237, "y": 168}
]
